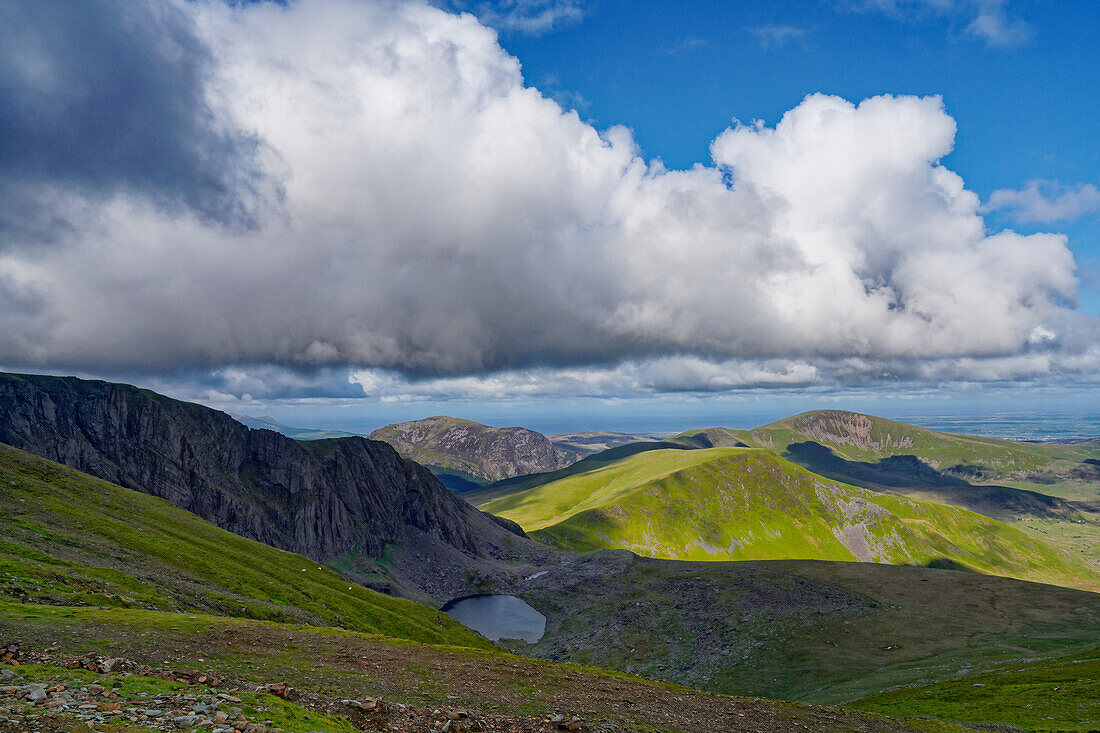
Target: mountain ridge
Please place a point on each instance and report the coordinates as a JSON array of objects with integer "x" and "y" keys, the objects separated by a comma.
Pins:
[
  {"x": 752, "y": 504},
  {"x": 473, "y": 451},
  {"x": 351, "y": 500}
]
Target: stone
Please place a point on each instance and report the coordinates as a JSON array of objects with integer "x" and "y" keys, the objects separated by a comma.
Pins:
[{"x": 186, "y": 721}]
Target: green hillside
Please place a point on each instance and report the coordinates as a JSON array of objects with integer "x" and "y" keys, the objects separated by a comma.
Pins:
[
  {"x": 418, "y": 687},
  {"x": 746, "y": 504},
  {"x": 815, "y": 631},
  {"x": 865, "y": 439},
  {"x": 1057, "y": 694},
  {"x": 520, "y": 483},
  {"x": 69, "y": 539},
  {"x": 1049, "y": 490}
]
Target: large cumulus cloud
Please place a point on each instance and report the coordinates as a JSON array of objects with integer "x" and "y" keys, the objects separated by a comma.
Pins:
[
  {"x": 426, "y": 213},
  {"x": 105, "y": 97}
]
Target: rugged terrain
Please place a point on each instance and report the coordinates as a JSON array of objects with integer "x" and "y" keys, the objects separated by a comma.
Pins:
[
  {"x": 95, "y": 567},
  {"x": 159, "y": 668},
  {"x": 120, "y": 611},
  {"x": 91, "y": 567},
  {"x": 270, "y": 423},
  {"x": 453, "y": 448},
  {"x": 1050, "y": 490},
  {"x": 828, "y": 632},
  {"x": 387, "y": 521},
  {"x": 751, "y": 504},
  {"x": 873, "y": 451},
  {"x": 68, "y": 539},
  {"x": 593, "y": 441}
]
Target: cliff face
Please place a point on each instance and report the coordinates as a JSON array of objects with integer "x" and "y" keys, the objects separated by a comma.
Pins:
[
  {"x": 326, "y": 499},
  {"x": 475, "y": 452}
]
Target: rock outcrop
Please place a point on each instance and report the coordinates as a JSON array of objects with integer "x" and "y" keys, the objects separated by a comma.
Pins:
[
  {"x": 345, "y": 498},
  {"x": 474, "y": 452}
]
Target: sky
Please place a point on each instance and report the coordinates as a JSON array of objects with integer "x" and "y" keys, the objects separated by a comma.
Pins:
[{"x": 560, "y": 213}]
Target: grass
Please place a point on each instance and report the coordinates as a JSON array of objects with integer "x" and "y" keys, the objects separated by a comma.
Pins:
[
  {"x": 823, "y": 632},
  {"x": 129, "y": 688},
  {"x": 746, "y": 504},
  {"x": 557, "y": 501},
  {"x": 1048, "y": 468},
  {"x": 1057, "y": 694},
  {"x": 857, "y": 437},
  {"x": 342, "y": 664},
  {"x": 69, "y": 539}
]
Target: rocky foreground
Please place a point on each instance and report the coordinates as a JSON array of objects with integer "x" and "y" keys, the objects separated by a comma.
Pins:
[{"x": 55, "y": 699}]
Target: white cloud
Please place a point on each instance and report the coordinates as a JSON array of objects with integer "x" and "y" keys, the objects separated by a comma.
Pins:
[
  {"x": 1046, "y": 202},
  {"x": 773, "y": 35},
  {"x": 988, "y": 20},
  {"x": 524, "y": 16},
  {"x": 993, "y": 25},
  {"x": 440, "y": 218}
]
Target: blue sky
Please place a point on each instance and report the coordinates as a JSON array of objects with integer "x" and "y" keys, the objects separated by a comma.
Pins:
[{"x": 637, "y": 215}]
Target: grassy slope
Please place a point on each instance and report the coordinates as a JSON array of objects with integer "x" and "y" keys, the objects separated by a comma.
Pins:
[
  {"x": 857, "y": 437},
  {"x": 822, "y": 632},
  {"x": 342, "y": 664},
  {"x": 72, "y": 539},
  {"x": 1056, "y": 694},
  {"x": 67, "y": 538},
  {"x": 611, "y": 455},
  {"x": 1018, "y": 475},
  {"x": 743, "y": 504}
]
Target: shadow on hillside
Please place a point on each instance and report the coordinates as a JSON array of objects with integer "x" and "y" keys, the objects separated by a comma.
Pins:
[
  {"x": 908, "y": 474},
  {"x": 946, "y": 563}
]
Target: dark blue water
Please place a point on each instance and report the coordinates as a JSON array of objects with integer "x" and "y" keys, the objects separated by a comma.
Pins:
[{"x": 498, "y": 617}]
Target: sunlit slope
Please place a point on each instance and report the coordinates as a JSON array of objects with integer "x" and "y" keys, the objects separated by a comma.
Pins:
[
  {"x": 745, "y": 504},
  {"x": 864, "y": 438},
  {"x": 67, "y": 538}
]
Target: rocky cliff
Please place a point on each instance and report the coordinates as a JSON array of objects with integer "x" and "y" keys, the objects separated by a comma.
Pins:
[
  {"x": 347, "y": 499},
  {"x": 450, "y": 446}
]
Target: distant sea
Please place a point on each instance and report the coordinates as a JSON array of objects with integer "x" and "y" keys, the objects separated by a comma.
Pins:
[{"x": 1013, "y": 425}]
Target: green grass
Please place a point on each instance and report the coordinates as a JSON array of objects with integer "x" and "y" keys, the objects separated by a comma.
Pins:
[
  {"x": 822, "y": 632},
  {"x": 129, "y": 689},
  {"x": 856, "y": 437},
  {"x": 745, "y": 504},
  {"x": 71, "y": 539},
  {"x": 343, "y": 664},
  {"x": 1057, "y": 695},
  {"x": 557, "y": 501}
]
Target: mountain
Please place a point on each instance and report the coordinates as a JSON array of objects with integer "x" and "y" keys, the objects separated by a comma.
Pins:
[
  {"x": 95, "y": 569},
  {"x": 520, "y": 483},
  {"x": 594, "y": 441},
  {"x": 386, "y": 521},
  {"x": 270, "y": 423},
  {"x": 1050, "y": 490},
  {"x": 751, "y": 504},
  {"x": 70, "y": 539},
  {"x": 899, "y": 455},
  {"x": 112, "y": 587},
  {"x": 475, "y": 453}
]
